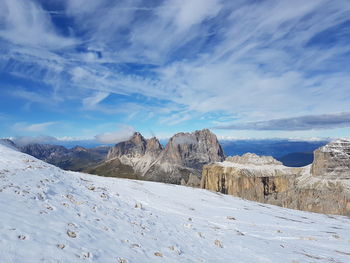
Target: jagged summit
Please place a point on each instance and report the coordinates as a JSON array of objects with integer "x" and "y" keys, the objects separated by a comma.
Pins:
[
  {"x": 79, "y": 149},
  {"x": 136, "y": 146},
  {"x": 180, "y": 161},
  {"x": 193, "y": 149}
]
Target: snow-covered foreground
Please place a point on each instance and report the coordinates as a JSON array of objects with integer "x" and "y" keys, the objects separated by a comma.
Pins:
[{"x": 50, "y": 215}]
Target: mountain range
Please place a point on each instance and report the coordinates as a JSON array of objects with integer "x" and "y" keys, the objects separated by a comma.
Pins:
[
  {"x": 179, "y": 162},
  {"x": 75, "y": 159}
]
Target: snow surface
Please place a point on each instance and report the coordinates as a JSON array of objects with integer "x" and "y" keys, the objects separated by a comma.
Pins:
[
  {"x": 50, "y": 215},
  {"x": 261, "y": 170}
]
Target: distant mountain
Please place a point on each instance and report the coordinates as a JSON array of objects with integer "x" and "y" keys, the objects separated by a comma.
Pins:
[
  {"x": 290, "y": 153},
  {"x": 181, "y": 158},
  {"x": 75, "y": 159},
  {"x": 8, "y": 142}
]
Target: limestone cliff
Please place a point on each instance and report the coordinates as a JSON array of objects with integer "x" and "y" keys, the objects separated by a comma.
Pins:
[
  {"x": 266, "y": 180},
  {"x": 333, "y": 160},
  {"x": 184, "y": 156}
]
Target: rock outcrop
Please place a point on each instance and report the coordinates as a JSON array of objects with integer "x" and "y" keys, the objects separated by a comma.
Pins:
[
  {"x": 333, "y": 160},
  {"x": 138, "y": 153},
  {"x": 180, "y": 162},
  {"x": 184, "y": 156},
  {"x": 193, "y": 149},
  {"x": 258, "y": 178},
  {"x": 322, "y": 187}
]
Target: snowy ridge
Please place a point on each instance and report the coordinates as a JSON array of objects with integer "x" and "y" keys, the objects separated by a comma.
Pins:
[
  {"x": 260, "y": 170},
  {"x": 338, "y": 145},
  {"x": 257, "y": 166},
  {"x": 50, "y": 215},
  {"x": 252, "y": 158}
]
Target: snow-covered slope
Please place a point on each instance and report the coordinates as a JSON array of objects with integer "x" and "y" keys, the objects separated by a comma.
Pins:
[{"x": 50, "y": 215}]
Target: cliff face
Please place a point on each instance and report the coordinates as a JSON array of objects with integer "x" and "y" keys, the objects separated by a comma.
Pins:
[
  {"x": 193, "y": 149},
  {"x": 180, "y": 162},
  {"x": 184, "y": 156},
  {"x": 266, "y": 180},
  {"x": 137, "y": 146},
  {"x": 261, "y": 179},
  {"x": 333, "y": 160}
]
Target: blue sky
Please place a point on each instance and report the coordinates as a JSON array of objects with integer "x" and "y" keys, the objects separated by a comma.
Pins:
[{"x": 245, "y": 69}]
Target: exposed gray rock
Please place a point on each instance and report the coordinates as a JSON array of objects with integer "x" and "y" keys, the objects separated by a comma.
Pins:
[
  {"x": 180, "y": 162},
  {"x": 44, "y": 151},
  {"x": 333, "y": 160},
  {"x": 193, "y": 150},
  {"x": 184, "y": 157},
  {"x": 135, "y": 147}
]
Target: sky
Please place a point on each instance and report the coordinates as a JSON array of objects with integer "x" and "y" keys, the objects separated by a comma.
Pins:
[{"x": 77, "y": 69}]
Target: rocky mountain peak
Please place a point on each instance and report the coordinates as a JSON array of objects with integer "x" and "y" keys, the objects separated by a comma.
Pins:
[
  {"x": 153, "y": 146},
  {"x": 333, "y": 160},
  {"x": 180, "y": 161},
  {"x": 137, "y": 138},
  {"x": 79, "y": 149},
  {"x": 135, "y": 146},
  {"x": 194, "y": 149}
]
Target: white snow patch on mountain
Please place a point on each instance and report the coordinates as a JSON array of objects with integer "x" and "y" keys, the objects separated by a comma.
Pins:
[{"x": 50, "y": 215}]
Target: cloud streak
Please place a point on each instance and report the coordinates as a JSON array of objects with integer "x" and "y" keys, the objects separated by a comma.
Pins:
[
  {"x": 311, "y": 122},
  {"x": 249, "y": 59},
  {"x": 36, "y": 127}
]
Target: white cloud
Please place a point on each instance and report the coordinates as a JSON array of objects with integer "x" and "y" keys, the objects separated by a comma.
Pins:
[
  {"x": 27, "y": 23},
  {"x": 185, "y": 14},
  {"x": 35, "y": 127},
  {"x": 246, "y": 59},
  {"x": 92, "y": 101},
  {"x": 24, "y": 140},
  {"x": 310, "y": 122},
  {"x": 124, "y": 133}
]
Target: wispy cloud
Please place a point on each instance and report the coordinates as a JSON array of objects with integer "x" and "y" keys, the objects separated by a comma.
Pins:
[
  {"x": 122, "y": 134},
  {"x": 35, "y": 127},
  {"x": 250, "y": 59},
  {"x": 92, "y": 101},
  {"x": 310, "y": 122},
  {"x": 26, "y": 23},
  {"x": 24, "y": 140}
]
